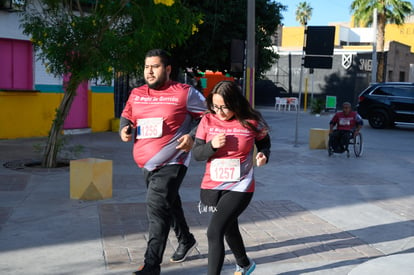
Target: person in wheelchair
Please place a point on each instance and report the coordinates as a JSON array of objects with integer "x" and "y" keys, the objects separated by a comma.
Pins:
[{"x": 348, "y": 123}]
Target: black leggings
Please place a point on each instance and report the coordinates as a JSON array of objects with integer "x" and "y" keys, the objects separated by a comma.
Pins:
[{"x": 223, "y": 223}]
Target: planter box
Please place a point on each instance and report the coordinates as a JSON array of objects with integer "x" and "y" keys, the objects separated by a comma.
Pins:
[
  {"x": 90, "y": 179},
  {"x": 318, "y": 138}
]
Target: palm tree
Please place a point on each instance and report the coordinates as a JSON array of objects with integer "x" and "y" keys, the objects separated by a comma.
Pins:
[
  {"x": 388, "y": 11},
  {"x": 303, "y": 13}
]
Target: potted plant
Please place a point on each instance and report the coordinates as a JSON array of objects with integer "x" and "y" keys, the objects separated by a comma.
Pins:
[{"x": 317, "y": 106}]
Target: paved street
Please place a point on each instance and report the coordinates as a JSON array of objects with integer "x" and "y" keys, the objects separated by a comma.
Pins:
[{"x": 311, "y": 214}]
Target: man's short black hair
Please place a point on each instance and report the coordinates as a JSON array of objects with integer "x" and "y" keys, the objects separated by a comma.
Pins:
[{"x": 162, "y": 54}]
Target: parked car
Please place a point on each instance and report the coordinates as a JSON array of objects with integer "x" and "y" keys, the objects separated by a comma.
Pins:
[{"x": 387, "y": 103}]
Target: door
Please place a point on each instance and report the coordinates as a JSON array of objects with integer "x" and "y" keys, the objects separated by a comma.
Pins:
[
  {"x": 78, "y": 114},
  {"x": 401, "y": 103}
]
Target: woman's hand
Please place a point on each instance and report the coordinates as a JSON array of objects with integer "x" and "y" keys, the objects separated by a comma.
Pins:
[
  {"x": 260, "y": 159},
  {"x": 218, "y": 141}
]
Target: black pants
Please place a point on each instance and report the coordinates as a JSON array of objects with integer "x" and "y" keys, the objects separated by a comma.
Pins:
[
  {"x": 339, "y": 140},
  {"x": 224, "y": 224},
  {"x": 164, "y": 210}
]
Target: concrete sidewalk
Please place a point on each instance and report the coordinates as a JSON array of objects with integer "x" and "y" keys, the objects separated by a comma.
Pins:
[{"x": 311, "y": 214}]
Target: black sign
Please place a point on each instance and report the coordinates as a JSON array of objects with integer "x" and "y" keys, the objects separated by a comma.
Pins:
[{"x": 319, "y": 46}]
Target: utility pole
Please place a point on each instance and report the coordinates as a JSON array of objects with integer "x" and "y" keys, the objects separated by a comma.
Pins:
[
  {"x": 374, "y": 64},
  {"x": 302, "y": 60},
  {"x": 250, "y": 52}
]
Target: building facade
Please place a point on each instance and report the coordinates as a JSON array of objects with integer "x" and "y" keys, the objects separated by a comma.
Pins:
[
  {"x": 29, "y": 95},
  {"x": 352, "y": 63}
]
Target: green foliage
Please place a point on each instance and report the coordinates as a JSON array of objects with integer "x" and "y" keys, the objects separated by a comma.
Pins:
[
  {"x": 209, "y": 48},
  {"x": 317, "y": 105},
  {"x": 90, "y": 39},
  {"x": 96, "y": 38},
  {"x": 391, "y": 11},
  {"x": 303, "y": 13}
]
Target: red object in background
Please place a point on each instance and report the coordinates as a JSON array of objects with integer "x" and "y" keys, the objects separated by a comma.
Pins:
[{"x": 210, "y": 79}]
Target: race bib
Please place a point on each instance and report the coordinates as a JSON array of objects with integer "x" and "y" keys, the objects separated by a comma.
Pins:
[
  {"x": 344, "y": 121},
  {"x": 225, "y": 170},
  {"x": 149, "y": 127}
]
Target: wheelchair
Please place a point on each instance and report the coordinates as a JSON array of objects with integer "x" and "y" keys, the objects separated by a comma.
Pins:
[{"x": 354, "y": 141}]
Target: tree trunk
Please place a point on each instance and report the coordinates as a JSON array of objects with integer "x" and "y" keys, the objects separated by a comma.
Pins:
[
  {"x": 380, "y": 68},
  {"x": 49, "y": 159},
  {"x": 380, "y": 46}
]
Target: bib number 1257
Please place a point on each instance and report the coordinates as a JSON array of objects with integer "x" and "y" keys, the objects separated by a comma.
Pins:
[{"x": 225, "y": 170}]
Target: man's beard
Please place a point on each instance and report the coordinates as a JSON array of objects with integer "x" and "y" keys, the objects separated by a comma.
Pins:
[{"x": 159, "y": 83}]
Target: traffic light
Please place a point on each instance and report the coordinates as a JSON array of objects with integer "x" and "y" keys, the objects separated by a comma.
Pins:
[
  {"x": 319, "y": 46},
  {"x": 321, "y": 62}
]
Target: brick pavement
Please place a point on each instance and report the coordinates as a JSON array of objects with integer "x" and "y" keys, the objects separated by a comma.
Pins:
[{"x": 278, "y": 231}]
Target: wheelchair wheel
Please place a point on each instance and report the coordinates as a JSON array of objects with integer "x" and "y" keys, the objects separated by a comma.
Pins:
[{"x": 358, "y": 145}]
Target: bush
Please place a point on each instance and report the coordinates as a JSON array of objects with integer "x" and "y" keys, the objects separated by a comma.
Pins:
[{"x": 317, "y": 105}]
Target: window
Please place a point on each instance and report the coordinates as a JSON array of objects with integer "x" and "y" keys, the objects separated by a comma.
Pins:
[
  {"x": 404, "y": 92},
  {"x": 390, "y": 78},
  {"x": 397, "y": 91},
  {"x": 382, "y": 91},
  {"x": 402, "y": 77},
  {"x": 12, "y": 5},
  {"x": 16, "y": 70}
]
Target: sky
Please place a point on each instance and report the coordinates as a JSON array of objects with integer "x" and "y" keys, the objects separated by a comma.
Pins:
[{"x": 323, "y": 13}]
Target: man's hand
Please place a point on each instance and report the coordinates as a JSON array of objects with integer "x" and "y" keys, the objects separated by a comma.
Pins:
[
  {"x": 185, "y": 143},
  {"x": 125, "y": 136}
]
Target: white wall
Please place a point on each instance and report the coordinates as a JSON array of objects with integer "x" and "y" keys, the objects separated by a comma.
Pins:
[
  {"x": 363, "y": 35},
  {"x": 9, "y": 26},
  {"x": 41, "y": 77},
  {"x": 360, "y": 35}
]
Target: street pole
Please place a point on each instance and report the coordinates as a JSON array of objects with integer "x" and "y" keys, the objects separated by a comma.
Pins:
[
  {"x": 302, "y": 60},
  {"x": 250, "y": 52},
  {"x": 311, "y": 70},
  {"x": 374, "y": 48}
]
